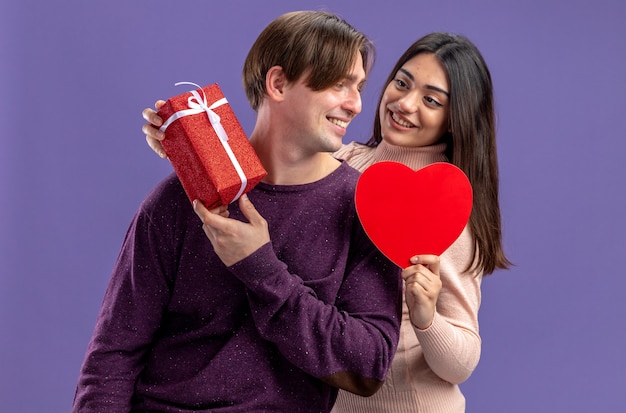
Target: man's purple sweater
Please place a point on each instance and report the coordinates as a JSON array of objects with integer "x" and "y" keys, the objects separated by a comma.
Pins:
[{"x": 178, "y": 331}]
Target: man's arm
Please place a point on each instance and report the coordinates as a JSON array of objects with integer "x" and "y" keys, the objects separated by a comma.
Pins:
[
  {"x": 350, "y": 343},
  {"x": 131, "y": 311}
]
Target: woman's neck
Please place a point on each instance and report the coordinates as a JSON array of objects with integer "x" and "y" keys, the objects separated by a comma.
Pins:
[{"x": 413, "y": 157}]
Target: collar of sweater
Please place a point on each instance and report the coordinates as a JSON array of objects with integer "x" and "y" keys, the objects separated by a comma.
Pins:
[{"x": 413, "y": 157}]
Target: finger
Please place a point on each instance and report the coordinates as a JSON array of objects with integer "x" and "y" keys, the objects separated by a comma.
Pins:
[
  {"x": 411, "y": 279},
  {"x": 153, "y": 132},
  {"x": 201, "y": 211},
  {"x": 428, "y": 260},
  {"x": 249, "y": 211},
  {"x": 415, "y": 288},
  {"x": 156, "y": 146},
  {"x": 159, "y": 104},
  {"x": 409, "y": 272},
  {"x": 418, "y": 285},
  {"x": 423, "y": 271},
  {"x": 151, "y": 116},
  {"x": 154, "y": 137},
  {"x": 210, "y": 218},
  {"x": 221, "y": 210}
]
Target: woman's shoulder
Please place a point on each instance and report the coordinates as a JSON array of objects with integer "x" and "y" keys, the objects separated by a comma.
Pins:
[{"x": 351, "y": 150}]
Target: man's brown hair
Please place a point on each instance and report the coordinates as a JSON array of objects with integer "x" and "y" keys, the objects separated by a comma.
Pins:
[{"x": 317, "y": 43}]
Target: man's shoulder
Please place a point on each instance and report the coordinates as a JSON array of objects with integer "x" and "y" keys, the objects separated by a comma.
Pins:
[
  {"x": 341, "y": 182},
  {"x": 348, "y": 172},
  {"x": 168, "y": 193}
]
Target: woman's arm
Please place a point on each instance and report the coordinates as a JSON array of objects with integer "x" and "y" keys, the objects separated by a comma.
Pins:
[{"x": 452, "y": 343}]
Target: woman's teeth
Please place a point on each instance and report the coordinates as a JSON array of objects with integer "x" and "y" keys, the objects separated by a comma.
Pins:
[{"x": 401, "y": 122}]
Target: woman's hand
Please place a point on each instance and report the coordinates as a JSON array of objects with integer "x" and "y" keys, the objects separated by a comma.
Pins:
[
  {"x": 422, "y": 287},
  {"x": 153, "y": 135}
]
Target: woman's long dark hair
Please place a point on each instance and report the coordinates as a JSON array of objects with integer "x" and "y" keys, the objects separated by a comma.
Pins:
[{"x": 471, "y": 144}]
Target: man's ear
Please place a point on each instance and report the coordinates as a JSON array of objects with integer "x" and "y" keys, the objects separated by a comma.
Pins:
[{"x": 275, "y": 83}]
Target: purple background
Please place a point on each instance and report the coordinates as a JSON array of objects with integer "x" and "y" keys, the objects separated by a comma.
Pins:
[{"x": 74, "y": 167}]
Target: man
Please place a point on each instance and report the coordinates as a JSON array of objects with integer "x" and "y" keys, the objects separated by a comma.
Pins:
[{"x": 270, "y": 304}]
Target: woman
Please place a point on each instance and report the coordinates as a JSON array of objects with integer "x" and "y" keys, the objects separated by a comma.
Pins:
[{"x": 437, "y": 106}]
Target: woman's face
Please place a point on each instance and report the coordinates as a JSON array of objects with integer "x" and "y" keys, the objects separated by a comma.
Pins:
[{"x": 415, "y": 107}]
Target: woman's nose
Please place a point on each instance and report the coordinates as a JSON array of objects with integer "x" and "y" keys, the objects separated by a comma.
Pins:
[{"x": 409, "y": 103}]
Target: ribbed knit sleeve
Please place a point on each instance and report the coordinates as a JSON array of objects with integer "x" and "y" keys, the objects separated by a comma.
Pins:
[{"x": 452, "y": 344}]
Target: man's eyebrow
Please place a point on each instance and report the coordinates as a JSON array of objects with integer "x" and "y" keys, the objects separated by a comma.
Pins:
[
  {"x": 354, "y": 78},
  {"x": 431, "y": 87}
]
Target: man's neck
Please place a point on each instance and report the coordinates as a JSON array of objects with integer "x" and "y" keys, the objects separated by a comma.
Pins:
[{"x": 286, "y": 166}]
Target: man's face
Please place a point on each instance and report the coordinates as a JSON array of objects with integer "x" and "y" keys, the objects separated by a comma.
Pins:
[{"x": 318, "y": 119}]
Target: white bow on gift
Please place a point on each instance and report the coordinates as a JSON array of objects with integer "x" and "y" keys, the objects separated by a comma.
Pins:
[{"x": 198, "y": 104}]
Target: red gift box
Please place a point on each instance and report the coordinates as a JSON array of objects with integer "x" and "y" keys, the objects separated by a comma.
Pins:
[{"x": 208, "y": 148}]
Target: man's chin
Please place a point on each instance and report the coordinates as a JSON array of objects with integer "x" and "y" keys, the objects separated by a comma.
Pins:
[{"x": 334, "y": 145}]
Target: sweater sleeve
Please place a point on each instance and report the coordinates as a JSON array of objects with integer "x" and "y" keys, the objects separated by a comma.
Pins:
[
  {"x": 133, "y": 304},
  {"x": 348, "y": 344},
  {"x": 452, "y": 343}
]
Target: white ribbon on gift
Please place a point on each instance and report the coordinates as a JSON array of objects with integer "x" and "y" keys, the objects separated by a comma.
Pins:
[{"x": 199, "y": 104}]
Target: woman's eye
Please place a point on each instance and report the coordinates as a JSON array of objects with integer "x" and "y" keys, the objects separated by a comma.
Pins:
[
  {"x": 400, "y": 83},
  {"x": 432, "y": 101}
]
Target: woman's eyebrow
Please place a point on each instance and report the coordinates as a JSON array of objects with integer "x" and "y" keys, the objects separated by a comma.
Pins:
[{"x": 431, "y": 87}]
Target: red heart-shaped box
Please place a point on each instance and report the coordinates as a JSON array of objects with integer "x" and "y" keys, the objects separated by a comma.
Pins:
[{"x": 406, "y": 212}]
